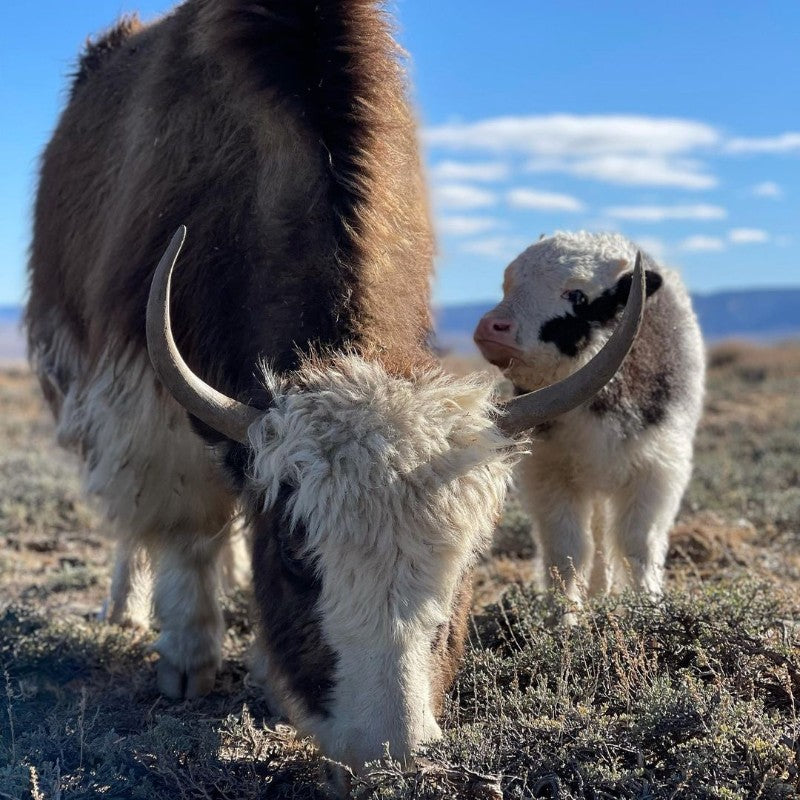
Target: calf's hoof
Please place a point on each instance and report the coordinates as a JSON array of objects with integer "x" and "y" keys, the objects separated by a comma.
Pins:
[{"x": 178, "y": 684}]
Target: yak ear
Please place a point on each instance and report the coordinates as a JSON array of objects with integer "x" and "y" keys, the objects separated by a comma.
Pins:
[{"x": 652, "y": 281}]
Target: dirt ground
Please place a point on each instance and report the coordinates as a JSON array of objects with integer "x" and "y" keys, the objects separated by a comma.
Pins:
[{"x": 693, "y": 697}]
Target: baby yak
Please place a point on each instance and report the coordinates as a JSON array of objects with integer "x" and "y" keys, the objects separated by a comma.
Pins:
[{"x": 603, "y": 483}]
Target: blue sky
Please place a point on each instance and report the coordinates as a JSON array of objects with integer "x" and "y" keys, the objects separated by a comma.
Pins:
[{"x": 676, "y": 124}]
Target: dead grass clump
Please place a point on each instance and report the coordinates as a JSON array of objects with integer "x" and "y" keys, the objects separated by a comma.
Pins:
[{"x": 708, "y": 543}]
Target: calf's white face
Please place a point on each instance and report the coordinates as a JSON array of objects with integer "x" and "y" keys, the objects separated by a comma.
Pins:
[
  {"x": 372, "y": 497},
  {"x": 560, "y": 299}
]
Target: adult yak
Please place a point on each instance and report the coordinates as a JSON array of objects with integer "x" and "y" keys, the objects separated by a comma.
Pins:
[{"x": 280, "y": 134}]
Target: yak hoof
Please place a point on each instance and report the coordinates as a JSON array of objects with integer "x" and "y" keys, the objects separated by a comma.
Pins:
[{"x": 179, "y": 685}]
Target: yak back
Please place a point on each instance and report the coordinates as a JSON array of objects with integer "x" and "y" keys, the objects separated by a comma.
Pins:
[{"x": 280, "y": 134}]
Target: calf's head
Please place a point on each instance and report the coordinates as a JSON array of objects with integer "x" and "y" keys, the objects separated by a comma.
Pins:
[
  {"x": 561, "y": 299},
  {"x": 371, "y": 496}
]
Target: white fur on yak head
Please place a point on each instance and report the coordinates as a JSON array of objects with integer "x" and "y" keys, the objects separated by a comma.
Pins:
[
  {"x": 561, "y": 299},
  {"x": 377, "y": 495},
  {"x": 371, "y": 496}
]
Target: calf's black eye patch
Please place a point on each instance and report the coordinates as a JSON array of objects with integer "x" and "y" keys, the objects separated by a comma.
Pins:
[{"x": 571, "y": 332}]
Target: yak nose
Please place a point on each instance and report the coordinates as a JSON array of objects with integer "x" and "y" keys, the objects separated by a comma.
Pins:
[
  {"x": 363, "y": 748},
  {"x": 338, "y": 775},
  {"x": 497, "y": 329},
  {"x": 496, "y": 338}
]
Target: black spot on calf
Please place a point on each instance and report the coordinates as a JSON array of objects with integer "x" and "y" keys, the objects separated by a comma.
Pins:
[
  {"x": 654, "y": 407},
  {"x": 572, "y": 332}
]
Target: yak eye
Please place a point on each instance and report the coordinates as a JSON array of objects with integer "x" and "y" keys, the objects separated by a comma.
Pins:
[{"x": 574, "y": 296}]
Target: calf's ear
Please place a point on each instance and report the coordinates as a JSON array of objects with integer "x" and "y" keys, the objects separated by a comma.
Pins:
[{"x": 652, "y": 282}]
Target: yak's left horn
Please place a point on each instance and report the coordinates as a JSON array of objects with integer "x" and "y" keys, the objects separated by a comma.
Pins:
[
  {"x": 523, "y": 413},
  {"x": 229, "y": 417}
]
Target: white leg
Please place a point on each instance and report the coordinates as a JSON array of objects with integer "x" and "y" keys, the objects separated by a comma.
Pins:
[
  {"x": 166, "y": 496},
  {"x": 644, "y": 512},
  {"x": 129, "y": 597},
  {"x": 566, "y": 541},
  {"x": 602, "y": 578},
  {"x": 562, "y": 524},
  {"x": 236, "y": 558},
  {"x": 186, "y": 603}
]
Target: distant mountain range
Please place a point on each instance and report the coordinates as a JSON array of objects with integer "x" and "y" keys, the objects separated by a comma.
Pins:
[{"x": 757, "y": 314}]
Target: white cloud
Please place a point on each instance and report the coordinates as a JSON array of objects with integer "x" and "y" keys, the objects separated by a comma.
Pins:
[
  {"x": 465, "y": 226},
  {"x": 632, "y": 170},
  {"x": 496, "y": 248},
  {"x": 747, "y": 236},
  {"x": 783, "y": 143},
  {"x": 543, "y": 201},
  {"x": 702, "y": 243},
  {"x": 470, "y": 171},
  {"x": 698, "y": 211},
  {"x": 574, "y": 135},
  {"x": 462, "y": 196},
  {"x": 767, "y": 189}
]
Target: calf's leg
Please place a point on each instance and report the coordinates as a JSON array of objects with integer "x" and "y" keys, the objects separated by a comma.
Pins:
[
  {"x": 602, "y": 577},
  {"x": 644, "y": 510},
  {"x": 562, "y": 514}
]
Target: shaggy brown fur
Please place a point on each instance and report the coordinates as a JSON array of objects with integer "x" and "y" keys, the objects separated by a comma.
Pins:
[{"x": 280, "y": 134}]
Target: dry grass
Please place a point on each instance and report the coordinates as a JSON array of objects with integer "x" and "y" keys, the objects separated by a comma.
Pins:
[{"x": 693, "y": 697}]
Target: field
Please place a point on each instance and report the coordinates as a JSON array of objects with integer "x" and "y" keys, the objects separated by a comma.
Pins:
[{"x": 693, "y": 697}]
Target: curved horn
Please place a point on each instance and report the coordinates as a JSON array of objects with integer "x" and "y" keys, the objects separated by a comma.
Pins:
[
  {"x": 224, "y": 414},
  {"x": 524, "y": 412}
]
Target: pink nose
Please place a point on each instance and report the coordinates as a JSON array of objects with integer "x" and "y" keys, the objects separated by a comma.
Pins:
[
  {"x": 496, "y": 329},
  {"x": 497, "y": 339}
]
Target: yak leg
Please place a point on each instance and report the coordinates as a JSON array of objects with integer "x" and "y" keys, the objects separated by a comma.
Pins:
[
  {"x": 602, "y": 577},
  {"x": 566, "y": 542},
  {"x": 644, "y": 512},
  {"x": 187, "y": 608},
  {"x": 129, "y": 598},
  {"x": 163, "y": 493},
  {"x": 562, "y": 524}
]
